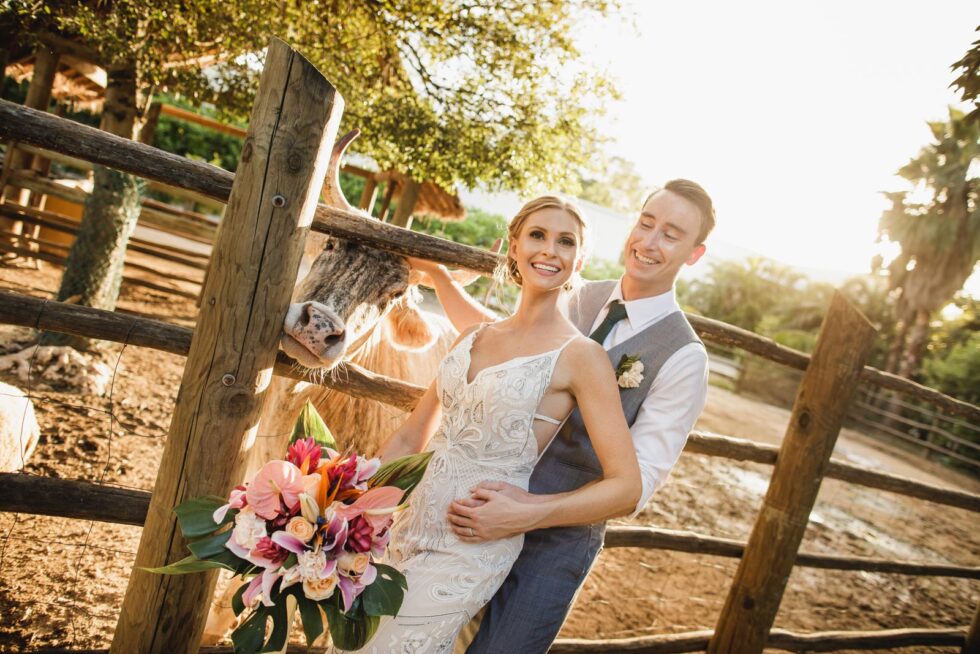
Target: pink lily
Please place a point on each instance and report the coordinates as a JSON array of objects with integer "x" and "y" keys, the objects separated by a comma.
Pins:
[
  {"x": 288, "y": 542},
  {"x": 251, "y": 593},
  {"x": 235, "y": 501},
  {"x": 352, "y": 587}
]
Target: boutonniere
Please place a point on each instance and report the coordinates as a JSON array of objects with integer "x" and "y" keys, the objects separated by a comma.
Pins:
[{"x": 629, "y": 372}]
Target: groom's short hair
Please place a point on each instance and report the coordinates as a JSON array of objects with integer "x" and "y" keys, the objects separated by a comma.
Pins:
[{"x": 696, "y": 195}]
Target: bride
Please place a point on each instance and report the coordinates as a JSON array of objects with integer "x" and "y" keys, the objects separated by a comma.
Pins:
[{"x": 493, "y": 408}]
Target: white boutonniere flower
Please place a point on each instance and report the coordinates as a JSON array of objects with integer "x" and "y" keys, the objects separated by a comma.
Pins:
[{"x": 629, "y": 372}]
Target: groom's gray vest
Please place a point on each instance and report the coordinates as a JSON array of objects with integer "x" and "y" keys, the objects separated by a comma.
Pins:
[{"x": 528, "y": 610}]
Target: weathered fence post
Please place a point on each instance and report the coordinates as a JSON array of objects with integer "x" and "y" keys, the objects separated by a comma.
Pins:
[
  {"x": 818, "y": 412},
  {"x": 254, "y": 264},
  {"x": 972, "y": 644}
]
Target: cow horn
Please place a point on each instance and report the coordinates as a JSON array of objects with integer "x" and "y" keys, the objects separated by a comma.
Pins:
[{"x": 332, "y": 194}]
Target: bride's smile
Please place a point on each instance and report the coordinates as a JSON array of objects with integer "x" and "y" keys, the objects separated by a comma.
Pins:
[{"x": 548, "y": 249}]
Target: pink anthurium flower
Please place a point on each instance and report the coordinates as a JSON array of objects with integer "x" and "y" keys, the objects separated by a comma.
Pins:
[{"x": 278, "y": 482}]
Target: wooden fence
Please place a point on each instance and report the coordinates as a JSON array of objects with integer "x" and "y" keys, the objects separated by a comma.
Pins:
[{"x": 221, "y": 386}]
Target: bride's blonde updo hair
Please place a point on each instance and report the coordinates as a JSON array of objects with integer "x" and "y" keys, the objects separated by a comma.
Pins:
[{"x": 510, "y": 270}]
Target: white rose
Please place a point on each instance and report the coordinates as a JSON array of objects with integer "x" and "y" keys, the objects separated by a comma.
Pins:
[
  {"x": 637, "y": 367},
  {"x": 319, "y": 589},
  {"x": 249, "y": 528}
]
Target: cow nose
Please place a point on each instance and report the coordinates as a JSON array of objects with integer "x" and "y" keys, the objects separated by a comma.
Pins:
[{"x": 318, "y": 325}]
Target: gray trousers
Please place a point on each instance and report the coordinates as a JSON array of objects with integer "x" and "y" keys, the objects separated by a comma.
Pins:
[{"x": 526, "y": 613}]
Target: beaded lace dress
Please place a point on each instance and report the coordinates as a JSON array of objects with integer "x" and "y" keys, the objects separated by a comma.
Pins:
[{"x": 486, "y": 433}]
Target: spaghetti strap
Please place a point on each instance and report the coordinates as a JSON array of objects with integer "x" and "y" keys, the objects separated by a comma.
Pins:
[{"x": 554, "y": 421}]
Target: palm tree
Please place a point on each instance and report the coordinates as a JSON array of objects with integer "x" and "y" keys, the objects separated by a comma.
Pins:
[{"x": 937, "y": 225}]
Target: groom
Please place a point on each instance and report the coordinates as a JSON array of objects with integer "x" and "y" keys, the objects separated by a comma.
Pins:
[{"x": 636, "y": 316}]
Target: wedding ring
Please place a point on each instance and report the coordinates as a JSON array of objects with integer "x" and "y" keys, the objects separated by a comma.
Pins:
[{"x": 472, "y": 533}]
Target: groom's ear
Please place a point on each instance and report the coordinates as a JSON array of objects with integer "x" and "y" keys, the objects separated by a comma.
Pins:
[
  {"x": 580, "y": 264},
  {"x": 697, "y": 254}
]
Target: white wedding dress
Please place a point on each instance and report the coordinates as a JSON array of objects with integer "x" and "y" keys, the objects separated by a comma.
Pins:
[{"x": 486, "y": 433}]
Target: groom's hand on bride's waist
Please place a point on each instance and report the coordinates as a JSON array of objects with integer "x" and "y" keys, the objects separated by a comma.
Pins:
[{"x": 493, "y": 510}]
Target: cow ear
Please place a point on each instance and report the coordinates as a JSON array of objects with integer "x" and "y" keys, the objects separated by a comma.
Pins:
[{"x": 407, "y": 329}]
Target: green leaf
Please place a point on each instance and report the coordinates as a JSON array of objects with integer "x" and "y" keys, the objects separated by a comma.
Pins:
[
  {"x": 196, "y": 516},
  {"x": 248, "y": 637},
  {"x": 385, "y": 595},
  {"x": 280, "y": 625},
  {"x": 211, "y": 547},
  {"x": 349, "y": 630},
  {"x": 309, "y": 612},
  {"x": 187, "y": 566},
  {"x": 237, "y": 603},
  {"x": 310, "y": 424},
  {"x": 404, "y": 472}
]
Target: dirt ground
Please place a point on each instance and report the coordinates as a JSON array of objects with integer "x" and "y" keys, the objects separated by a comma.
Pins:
[{"x": 62, "y": 581}]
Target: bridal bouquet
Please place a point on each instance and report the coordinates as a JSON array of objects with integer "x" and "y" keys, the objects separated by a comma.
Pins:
[{"x": 305, "y": 533}]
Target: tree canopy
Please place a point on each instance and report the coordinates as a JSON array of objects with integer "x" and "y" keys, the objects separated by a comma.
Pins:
[{"x": 465, "y": 91}]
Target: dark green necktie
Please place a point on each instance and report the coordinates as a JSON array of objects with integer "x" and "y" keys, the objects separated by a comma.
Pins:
[{"x": 617, "y": 311}]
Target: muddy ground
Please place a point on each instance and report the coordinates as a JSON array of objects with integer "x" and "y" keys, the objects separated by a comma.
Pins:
[{"x": 61, "y": 581}]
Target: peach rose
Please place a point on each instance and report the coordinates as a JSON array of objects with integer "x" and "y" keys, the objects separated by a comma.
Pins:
[
  {"x": 319, "y": 589},
  {"x": 352, "y": 564},
  {"x": 301, "y": 528}
]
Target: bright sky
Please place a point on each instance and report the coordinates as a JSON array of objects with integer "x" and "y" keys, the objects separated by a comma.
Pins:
[{"x": 793, "y": 115}]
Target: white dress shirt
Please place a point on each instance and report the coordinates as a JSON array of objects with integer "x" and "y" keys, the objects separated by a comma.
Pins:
[{"x": 676, "y": 396}]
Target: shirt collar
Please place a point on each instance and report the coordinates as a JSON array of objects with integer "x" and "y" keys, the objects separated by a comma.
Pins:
[{"x": 645, "y": 310}]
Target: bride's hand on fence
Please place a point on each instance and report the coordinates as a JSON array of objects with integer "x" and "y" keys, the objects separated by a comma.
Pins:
[{"x": 426, "y": 269}]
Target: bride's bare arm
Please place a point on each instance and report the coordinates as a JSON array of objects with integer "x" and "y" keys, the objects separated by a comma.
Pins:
[
  {"x": 421, "y": 424},
  {"x": 463, "y": 311},
  {"x": 415, "y": 432},
  {"x": 497, "y": 514}
]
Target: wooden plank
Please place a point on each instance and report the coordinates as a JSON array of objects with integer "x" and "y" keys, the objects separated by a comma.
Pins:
[
  {"x": 825, "y": 641},
  {"x": 96, "y": 146},
  {"x": 60, "y": 135},
  {"x": 60, "y": 261},
  {"x": 72, "y": 498},
  {"x": 825, "y": 393},
  {"x": 191, "y": 117},
  {"x": 25, "y": 239},
  {"x": 692, "y": 543},
  {"x": 18, "y": 309},
  {"x": 942, "y": 433},
  {"x": 158, "y": 250},
  {"x": 253, "y": 268},
  {"x": 163, "y": 220},
  {"x": 902, "y": 436}
]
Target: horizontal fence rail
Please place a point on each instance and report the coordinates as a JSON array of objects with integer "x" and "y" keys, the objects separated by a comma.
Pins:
[
  {"x": 63, "y": 498},
  {"x": 27, "y": 311},
  {"x": 17, "y": 309},
  {"x": 47, "y": 131},
  {"x": 826, "y": 641}
]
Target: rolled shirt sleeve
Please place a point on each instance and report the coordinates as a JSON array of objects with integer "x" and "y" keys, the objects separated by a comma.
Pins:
[{"x": 667, "y": 415}]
